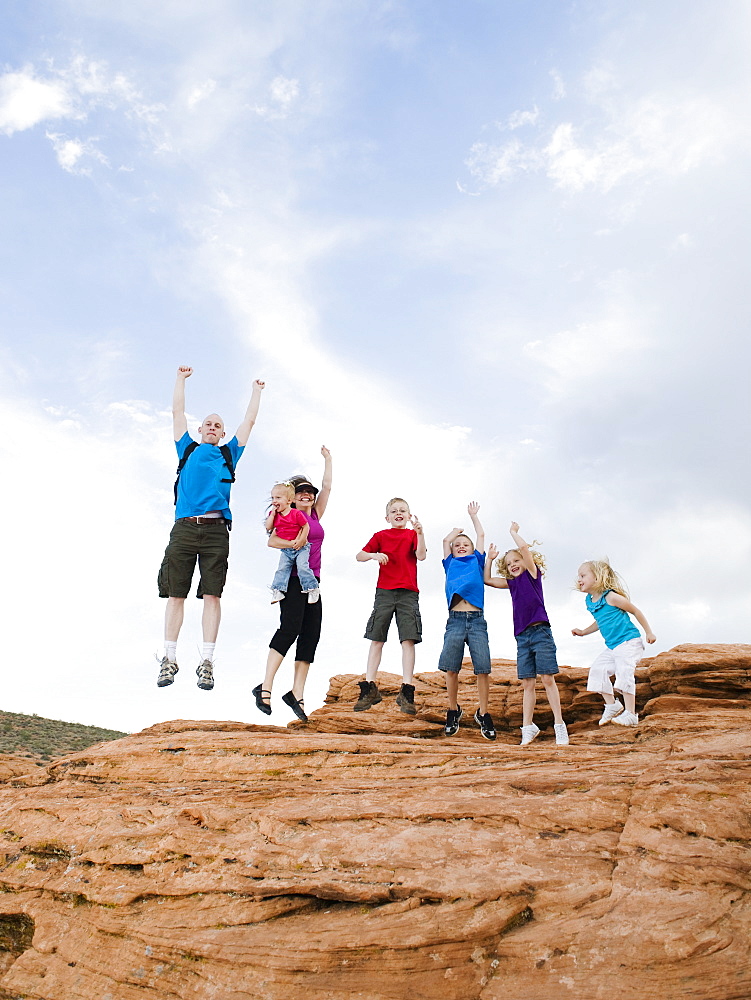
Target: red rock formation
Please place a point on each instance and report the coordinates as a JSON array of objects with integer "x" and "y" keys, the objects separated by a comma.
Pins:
[{"x": 365, "y": 855}]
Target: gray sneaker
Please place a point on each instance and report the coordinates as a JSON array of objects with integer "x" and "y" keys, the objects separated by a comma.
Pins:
[
  {"x": 205, "y": 672},
  {"x": 167, "y": 671}
]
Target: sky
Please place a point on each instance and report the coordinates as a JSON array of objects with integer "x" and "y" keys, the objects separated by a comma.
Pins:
[{"x": 490, "y": 251}]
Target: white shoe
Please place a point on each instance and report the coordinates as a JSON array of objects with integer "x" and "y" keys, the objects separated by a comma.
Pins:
[
  {"x": 609, "y": 712},
  {"x": 277, "y": 595},
  {"x": 314, "y": 595},
  {"x": 561, "y": 734},
  {"x": 627, "y": 719},
  {"x": 528, "y": 734}
]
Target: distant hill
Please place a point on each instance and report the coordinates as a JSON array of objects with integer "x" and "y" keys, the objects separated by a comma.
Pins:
[{"x": 46, "y": 739}]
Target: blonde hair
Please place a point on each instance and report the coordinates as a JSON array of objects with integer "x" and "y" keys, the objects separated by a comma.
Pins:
[
  {"x": 396, "y": 500},
  {"x": 606, "y": 577},
  {"x": 537, "y": 558},
  {"x": 290, "y": 489}
]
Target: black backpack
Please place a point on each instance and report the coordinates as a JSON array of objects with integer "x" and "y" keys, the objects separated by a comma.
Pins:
[{"x": 226, "y": 455}]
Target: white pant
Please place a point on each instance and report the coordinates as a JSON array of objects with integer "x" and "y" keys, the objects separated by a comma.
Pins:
[{"x": 620, "y": 661}]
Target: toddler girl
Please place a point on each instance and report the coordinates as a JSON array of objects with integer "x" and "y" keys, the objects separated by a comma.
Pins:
[
  {"x": 607, "y": 601},
  {"x": 521, "y": 572},
  {"x": 291, "y": 525}
]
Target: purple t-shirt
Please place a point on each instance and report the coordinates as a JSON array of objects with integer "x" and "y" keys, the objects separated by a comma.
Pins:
[
  {"x": 526, "y": 600},
  {"x": 315, "y": 538}
]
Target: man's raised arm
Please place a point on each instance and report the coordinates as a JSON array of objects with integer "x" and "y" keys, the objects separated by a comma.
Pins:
[
  {"x": 243, "y": 431},
  {"x": 179, "y": 420}
]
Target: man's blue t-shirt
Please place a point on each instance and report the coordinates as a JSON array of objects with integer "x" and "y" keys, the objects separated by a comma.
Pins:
[
  {"x": 200, "y": 488},
  {"x": 464, "y": 576}
]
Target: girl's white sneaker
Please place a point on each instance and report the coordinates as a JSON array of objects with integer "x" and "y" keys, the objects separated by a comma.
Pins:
[
  {"x": 627, "y": 719},
  {"x": 528, "y": 734},
  {"x": 610, "y": 712},
  {"x": 561, "y": 734}
]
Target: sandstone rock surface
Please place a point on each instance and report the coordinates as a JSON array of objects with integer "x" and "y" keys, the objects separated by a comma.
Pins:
[{"x": 366, "y": 855}]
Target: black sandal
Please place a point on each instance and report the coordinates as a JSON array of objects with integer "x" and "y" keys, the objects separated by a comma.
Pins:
[
  {"x": 262, "y": 704},
  {"x": 296, "y": 705}
]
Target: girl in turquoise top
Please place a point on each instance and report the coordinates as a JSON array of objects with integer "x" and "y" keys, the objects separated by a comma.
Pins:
[{"x": 607, "y": 601}]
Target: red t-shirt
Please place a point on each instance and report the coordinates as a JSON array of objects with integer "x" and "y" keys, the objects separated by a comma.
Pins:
[
  {"x": 400, "y": 545},
  {"x": 287, "y": 526}
]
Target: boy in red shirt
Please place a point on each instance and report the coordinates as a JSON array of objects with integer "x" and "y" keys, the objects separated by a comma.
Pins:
[{"x": 396, "y": 549}]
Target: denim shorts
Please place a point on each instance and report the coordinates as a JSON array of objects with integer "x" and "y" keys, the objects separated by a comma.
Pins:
[
  {"x": 465, "y": 628},
  {"x": 405, "y": 605},
  {"x": 535, "y": 652}
]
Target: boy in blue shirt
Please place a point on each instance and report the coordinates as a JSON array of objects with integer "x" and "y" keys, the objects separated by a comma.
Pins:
[
  {"x": 202, "y": 524},
  {"x": 464, "y": 564}
]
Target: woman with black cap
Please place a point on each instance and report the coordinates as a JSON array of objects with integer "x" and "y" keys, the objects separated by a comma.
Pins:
[{"x": 299, "y": 620}]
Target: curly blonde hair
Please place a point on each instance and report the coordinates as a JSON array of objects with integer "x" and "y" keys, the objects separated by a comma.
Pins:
[
  {"x": 606, "y": 577},
  {"x": 537, "y": 557}
]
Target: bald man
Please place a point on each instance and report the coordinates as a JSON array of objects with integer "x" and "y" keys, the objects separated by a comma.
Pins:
[{"x": 202, "y": 524}]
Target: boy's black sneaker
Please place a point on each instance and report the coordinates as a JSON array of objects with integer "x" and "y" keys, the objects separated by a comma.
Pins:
[
  {"x": 406, "y": 699},
  {"x": 485, "y": 722},
  {"x": 369, "y": 696},
  {"x": 452, "y": 721}
]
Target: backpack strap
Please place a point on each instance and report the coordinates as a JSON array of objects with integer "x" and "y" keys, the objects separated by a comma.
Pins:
[
  {"x": 180, "y": 465},
  {"x": 226, "y": 455}
]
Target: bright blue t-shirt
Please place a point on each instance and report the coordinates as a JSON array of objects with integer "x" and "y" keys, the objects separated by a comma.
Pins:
[
  {"x": 614, "y": 623},
  {"x": 464, "y": 577},
  {"x": 200, "y": 488}
]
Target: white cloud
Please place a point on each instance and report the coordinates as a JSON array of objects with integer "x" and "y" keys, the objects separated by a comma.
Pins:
[
  {"x": 559, "y": 88},
  {"x": 200, "y": 93},
  {"x": 75, "y": 92},
  {"x": 521, "y": 118},
  {"x": 283, "y": 94},
  {"x": 589, "y": 351},
  {"x": 25, "y": 101},
  {"x": 70, "y": 152},
  {"x": 660, "y": 135}
]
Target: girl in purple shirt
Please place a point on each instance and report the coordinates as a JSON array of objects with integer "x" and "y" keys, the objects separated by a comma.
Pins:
[
  {"x": 521, "y": 572},
  {"x": 300, "y": 621}
]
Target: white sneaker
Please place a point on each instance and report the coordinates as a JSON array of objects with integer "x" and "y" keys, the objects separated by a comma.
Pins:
[
  {"x": 277, "y": 595},
  {"x": 314, "y": 595},
  {"x": 561, "y": 734},
  {"x": 627, "y": 719},
  {"x": 528, "y": 734},
  {"x": 609, "y": 712}
]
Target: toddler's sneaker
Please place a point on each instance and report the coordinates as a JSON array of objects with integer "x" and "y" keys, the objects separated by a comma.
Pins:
[
  {"x": 277, "y": 595},
  {"x": 627, "y": 719},
  {"x": 561, "y": 734},
  {"x": 485, "y": 722},
  {"x": 528, "y": 734},
  {"x": 610, "y": 712},
  {"x": 369, "y": 696},
  {"x": 167, "y": 671},
  {"x": 313, "y": 595},
  {"x": 205, "y": 672},
  {"x": 452, "y": 721},
  {"x": 406, "y": 699}
]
